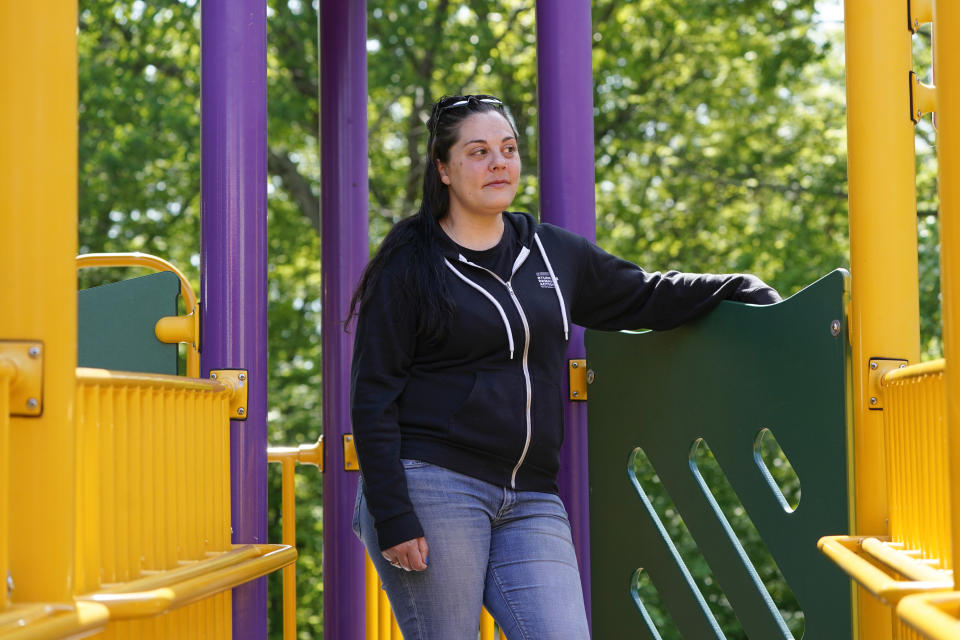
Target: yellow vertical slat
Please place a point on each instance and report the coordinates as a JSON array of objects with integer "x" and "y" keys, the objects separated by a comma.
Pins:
[
  {"x": 162, "y": 468},
  {"x": 213, "y": 483},
  {"x": 944, "y": 473},
  {"x": 183, "y": 541},
  {"x": 289, "y": 527},
  {"x": 125, "y": 568},
  {"x": 89, "y": 513},
  {"x": 109, "y": 485},
  {"x": 192, "y": 505},
  {"x": 38, "y": 245},
  {"x": 205, "y": 486},
  {"x": 946, "y": 55},
  {"x": 385, "y": 614},
  {"x": 7, "y": 372},
  {"x": 125, "y": 412},
  {"x": 371, "y": 603},
  {"x": 487, "y": 630},
  {"x": 223, "y": 433},
  {"x": 173, "y": 509}
]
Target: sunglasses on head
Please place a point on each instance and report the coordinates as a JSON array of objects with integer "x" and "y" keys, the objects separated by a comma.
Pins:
[
  {"x": 458, "y": 101},
  {"x": 454, "y": 102}
]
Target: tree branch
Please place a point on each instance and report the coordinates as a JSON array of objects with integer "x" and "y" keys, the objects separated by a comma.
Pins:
[{"x": 295, "y": 184}]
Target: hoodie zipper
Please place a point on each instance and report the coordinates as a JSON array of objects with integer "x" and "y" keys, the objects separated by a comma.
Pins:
[
  {"x": 526, "y": 350},
  {"x": 526, "y": 377}
]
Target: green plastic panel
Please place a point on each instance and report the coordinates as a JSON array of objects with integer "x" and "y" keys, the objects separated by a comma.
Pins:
[
  {"x": 116, "y": 323},
  {"x": 722, "y": 378}
]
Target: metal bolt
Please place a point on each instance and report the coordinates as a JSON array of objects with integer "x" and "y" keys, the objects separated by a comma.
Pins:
[
  {"x": 835, "y": 328},
  {"x": 242, "y": 377},
  {"x": 213, "y": 376},
  {"x": 241, "y": 411},
  {"x": 873, "y": 400},
  {"x": 873, "y": 365},
  {"x": 34, "y": 352},
  {"x": 576, "y": 393},
  {"x": 590, "y": 376},
  {"x": 32, "y": 403},
  {"x": 10, "y": 586},
  {"x": 919, "y": 114},
  {"x": 574, "y": 364}
]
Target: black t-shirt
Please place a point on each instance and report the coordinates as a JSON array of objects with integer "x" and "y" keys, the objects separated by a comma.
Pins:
[{"x": 498, "y": 258}]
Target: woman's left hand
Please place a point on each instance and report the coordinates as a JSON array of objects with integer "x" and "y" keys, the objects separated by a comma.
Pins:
[{"x": 409, "y": 556}]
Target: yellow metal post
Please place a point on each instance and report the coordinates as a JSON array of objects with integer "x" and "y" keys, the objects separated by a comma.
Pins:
[
  {"x": 7, "y": 373},
  {"x": 884, "y": 316},
  {"x": 38, "y": 242},
  {"x": 946, "y": 25},
  {"x": 289, "y": 517},
  {"x": 372, "y": 608}
]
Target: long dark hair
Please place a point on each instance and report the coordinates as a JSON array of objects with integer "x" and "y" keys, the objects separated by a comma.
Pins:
[{"x": 425, "y": 278}]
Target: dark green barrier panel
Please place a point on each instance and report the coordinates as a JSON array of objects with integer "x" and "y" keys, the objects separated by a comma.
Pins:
[
  {"x": 115, "y": 324},
  {"x": 723, "y": 378}
]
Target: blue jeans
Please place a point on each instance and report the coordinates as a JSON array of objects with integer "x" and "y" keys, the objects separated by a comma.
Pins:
[{"x": 509, "y": 550}]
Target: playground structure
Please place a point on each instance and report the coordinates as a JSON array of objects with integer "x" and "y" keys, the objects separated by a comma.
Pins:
[{"x": 134, "y": 504}]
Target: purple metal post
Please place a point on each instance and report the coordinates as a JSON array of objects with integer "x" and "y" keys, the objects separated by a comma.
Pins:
[
  {"x": 344, "y": 235},
  {"x": 565, "y": 92},
  {"x": 234, "y": 258}
]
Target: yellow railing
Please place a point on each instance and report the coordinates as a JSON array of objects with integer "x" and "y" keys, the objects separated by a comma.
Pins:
[
  {"x": 154, "y": 461},
  {"x": 916, "y": 557},
  {"x": 153, "y": 505},
  {"x": 169, "y": 330},
  {"x": 288, "y": 458},
  {"x": 933, "y": 615},
  {"x": 915, "y": 432},
  {"x": 32, "y": 622}
]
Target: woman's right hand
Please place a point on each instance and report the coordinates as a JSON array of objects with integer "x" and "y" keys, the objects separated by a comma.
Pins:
[{"x": 409, "y": 556}]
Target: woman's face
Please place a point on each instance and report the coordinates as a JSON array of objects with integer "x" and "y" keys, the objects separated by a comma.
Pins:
[{"x": 483, "y": 166}]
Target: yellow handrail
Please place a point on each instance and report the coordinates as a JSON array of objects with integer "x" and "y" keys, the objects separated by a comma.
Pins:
[
  {"x": 42, "y": 621},
  {"x": 168, "y": 590},
  {"x": 169, "y": 330},
  {"x": 849, "y": 554},
  {"x": 288, "y": 457},
  {"x": 934, "y": 615}
]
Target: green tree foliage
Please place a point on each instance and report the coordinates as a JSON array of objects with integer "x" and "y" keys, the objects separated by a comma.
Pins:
[
  {"x": 719, "y": 130},
  {"x": 720, "y": 146}
]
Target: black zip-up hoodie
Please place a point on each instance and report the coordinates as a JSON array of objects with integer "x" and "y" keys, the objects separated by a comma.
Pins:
[{"x": 486, "y": 400}]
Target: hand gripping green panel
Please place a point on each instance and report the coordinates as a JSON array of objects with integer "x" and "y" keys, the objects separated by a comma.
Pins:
[{"x": 723, "y": 378}]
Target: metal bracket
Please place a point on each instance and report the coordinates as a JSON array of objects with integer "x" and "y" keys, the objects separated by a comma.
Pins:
[
  {"x": 26, "y": 385},
  {"x": 919, "y": 12},
  {"x": 923, "y": 98},
  {"x": 176, "y": 329},
  {"x": 350, "y": 462},
  {"x": 235, "y": 380},
  {"x": 877, "y": 368},
  {"x": 577, "y": 370}
]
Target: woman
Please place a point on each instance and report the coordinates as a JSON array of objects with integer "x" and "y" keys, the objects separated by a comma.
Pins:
[{"x": 463, "y": 322}]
